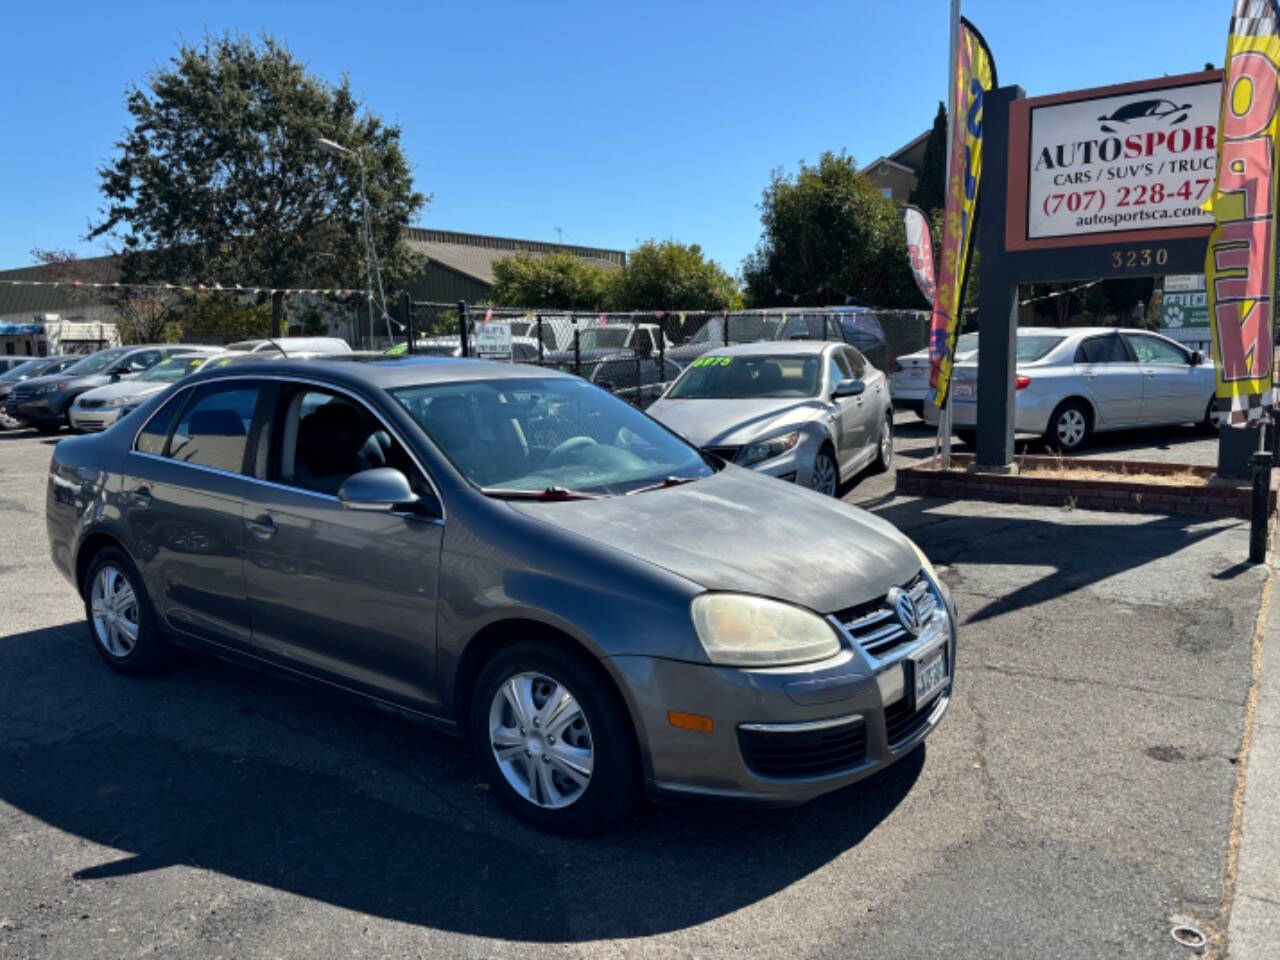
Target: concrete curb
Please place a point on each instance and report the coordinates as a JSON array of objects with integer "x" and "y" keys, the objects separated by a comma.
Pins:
[{"x": 1253, "y": 929}]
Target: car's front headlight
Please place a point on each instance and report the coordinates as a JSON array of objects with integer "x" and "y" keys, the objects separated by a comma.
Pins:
[
  {"x": 116, "y": 401},
  {"x": 768, "y": 449},
  {"x": 52, "y": 388},
  {"x": 740, "y": 630}
]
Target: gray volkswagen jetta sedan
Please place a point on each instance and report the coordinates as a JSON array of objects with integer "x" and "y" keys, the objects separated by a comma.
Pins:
[{"x": 514, "y": 555}]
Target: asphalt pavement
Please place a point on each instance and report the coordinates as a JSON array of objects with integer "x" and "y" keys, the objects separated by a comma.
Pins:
[{"x": 1077, "y": 800}]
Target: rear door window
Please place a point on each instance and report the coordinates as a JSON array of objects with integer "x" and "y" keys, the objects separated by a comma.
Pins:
[
  {"x": 1156, "y": 351},
  {"x": 1104, "y": 349},
  {"x": 213, "y": 430}
]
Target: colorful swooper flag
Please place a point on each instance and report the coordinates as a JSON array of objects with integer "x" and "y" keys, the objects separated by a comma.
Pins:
[
  {"x": 975, "y": 75},
  {"x": 920, "y": 250},
  {"x": 1240, "y": 263}
]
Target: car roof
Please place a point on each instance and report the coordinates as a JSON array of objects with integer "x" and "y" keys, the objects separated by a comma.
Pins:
[
  {"x": 383, "y": 372},
  {"x": 802, "y": 347}
]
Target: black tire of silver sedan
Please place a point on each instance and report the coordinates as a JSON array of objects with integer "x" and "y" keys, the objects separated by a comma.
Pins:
[
  {"x": 1069, "y": 427},
  {"x": 121, "y": 622},
  {"x": 824, "y": 477},
  {"x": 552, "y": 739},
  {"x": 884, "y": 446},
  {"x": 1207, "y": 425}
]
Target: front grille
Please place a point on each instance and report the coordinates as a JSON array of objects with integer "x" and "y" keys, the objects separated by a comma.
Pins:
[
  {"x": 804, "y": 753},
  {"x": 875, "y": 625},
  {"x": 91, "y": 404},
  {"x": 902, "y": 723},
  {"x": 18, "y": 393},
  {"x": 724, "y": 453}
]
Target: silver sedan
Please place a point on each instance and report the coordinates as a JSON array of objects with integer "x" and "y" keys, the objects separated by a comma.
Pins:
[
  {"x": 810, "y": 412},
  {"x": 1074, "y": 382}
]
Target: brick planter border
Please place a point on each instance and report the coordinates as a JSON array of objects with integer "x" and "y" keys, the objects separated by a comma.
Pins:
[{"x": 1126, "y": 495}]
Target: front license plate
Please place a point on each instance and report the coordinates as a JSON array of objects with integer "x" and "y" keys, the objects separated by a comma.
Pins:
[
  {"x": 931, "y": 675},
  {"x": 964, "y": 390}
]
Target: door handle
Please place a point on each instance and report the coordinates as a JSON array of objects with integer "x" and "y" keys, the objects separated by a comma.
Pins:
[
  {"x": 140, "y": 497},
  {"x": 262, "y": 527}
]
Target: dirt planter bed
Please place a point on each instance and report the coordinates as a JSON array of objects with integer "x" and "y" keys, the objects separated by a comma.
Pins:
[{"x": 1122, "y": 485}]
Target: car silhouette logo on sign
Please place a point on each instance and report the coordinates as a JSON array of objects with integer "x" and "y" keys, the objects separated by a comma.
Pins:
[{"x": 1164, "y": 111}]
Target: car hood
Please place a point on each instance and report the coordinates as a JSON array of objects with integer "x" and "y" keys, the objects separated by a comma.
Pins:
[
  {"x": 84, "y": 382},
  {"x": 734, "y": 422},
  {"x": 124, "y": 388},
  {"x": 743, "y": 532}
]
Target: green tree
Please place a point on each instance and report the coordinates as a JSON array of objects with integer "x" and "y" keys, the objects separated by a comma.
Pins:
[
  {"x": 672, "y": 276},
  {"x": 552, "y": 281},
  {"x": 220, "y": 179},
  {"x": 220, "y": 317},
  {"x": 829, "y": 237},
  {"x": 930, "y": 192}
]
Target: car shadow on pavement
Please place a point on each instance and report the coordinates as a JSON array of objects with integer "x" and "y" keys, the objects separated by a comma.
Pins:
[
  {"x": 1078, "y": 553},
  {"x": 222, "y": 769}
]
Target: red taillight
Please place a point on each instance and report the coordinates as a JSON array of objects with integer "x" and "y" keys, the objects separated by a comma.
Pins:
[{"x": 1022, "y": 382}]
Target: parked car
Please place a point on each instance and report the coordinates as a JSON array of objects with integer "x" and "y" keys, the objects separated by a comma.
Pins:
[
  {"x": 44, "y": 401},
  {"x": 809, "y": 412},
  {"x": 32, "y": 367},
  {"x": 518, "y": 557},
  {"x": 909, "y": 379},
  {"x": 1074, "y": 382},
  {"x": 8, "y": 363},
  {"x": 857, "y": 326},
  {"x": 100, "y": 407}
]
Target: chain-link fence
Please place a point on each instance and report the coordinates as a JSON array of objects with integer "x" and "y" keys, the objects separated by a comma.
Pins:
[{"x": 637, "y": 354}]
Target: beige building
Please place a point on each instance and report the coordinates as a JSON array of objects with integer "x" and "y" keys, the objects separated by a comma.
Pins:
[{"x": 895, "y": 175}]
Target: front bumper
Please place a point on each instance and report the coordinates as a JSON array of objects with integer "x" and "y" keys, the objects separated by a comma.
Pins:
[
  {"x": 835, "y": 694},
  {"x": 97, "y": 418},
  {"x": 40, "y": 409}
]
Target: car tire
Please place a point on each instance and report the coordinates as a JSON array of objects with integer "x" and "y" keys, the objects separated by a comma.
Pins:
[
  {"x": 48, "y": 428},
  {"x": 824, "y": 475},
  {"x": 1069, "y": 427},
  {"x": 969, "y": 438},
  {"x": 593, "y": 734},
  {"x": 884, "y": 446},
  {"x": 115, "y": 605}
]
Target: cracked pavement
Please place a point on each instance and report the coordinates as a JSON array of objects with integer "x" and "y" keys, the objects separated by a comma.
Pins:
[{"x": 1075, "y": 802}]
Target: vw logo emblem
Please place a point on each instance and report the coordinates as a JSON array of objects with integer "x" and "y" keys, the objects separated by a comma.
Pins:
[{"x": 905, "y": 608}]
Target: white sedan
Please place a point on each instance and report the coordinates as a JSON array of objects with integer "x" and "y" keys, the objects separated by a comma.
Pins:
[
  {"x": 909, "y": 381},
  {"x": 1076, "y": 381}
]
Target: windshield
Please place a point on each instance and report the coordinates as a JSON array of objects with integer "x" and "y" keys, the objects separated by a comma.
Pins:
[
  {"x": 28, "y": 369},
  {"x": 173, "y": 369},
  {"x": 539, "y": 434},
  {"x": 1034, "y": 346},
  {"x": 725, "y": 378},
  {"x": 602, "y": 338},
  {"x": 95, "y": 362}
]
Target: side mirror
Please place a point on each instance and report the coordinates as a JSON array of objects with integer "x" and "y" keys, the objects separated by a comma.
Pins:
[
  {"x": 1197, "y": 358},
  {"x": 382, "y": 490},
  {"x": 852, "y": 387}
]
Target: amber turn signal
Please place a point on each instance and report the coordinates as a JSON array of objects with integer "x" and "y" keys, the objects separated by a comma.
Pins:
[{"x": 690, "y": 721}]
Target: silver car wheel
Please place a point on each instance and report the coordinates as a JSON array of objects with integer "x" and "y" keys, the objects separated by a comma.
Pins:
[
  {"x": 1071, "y": 427},
  {"x": 115, "y": 612},
  {"x": 824, "y": 477},
  {"x": 541, "y": 740}
]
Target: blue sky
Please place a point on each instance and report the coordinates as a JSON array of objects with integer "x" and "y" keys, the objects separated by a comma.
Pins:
[{"x": 613, "y": 122}]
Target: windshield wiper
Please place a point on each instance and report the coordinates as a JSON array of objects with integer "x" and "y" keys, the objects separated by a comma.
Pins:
[
  {"x": 663, "y": 484},
  {"x": 547, "y": 493}
]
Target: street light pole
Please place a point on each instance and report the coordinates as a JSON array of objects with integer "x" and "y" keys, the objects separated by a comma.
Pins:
[{"x": 372, "y": 268}]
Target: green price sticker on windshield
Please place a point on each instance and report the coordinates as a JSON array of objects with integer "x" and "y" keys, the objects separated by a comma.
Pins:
[{"x": 713, "y": 361}]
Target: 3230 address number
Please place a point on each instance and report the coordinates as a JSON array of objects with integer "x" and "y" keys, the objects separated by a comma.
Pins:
[{"x": 1142, "y": 257}]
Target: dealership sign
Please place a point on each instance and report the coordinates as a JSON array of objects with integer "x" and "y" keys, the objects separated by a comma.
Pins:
[
  {"x": 493, "y": 339},
  {"x": 1132, "y": 162}
]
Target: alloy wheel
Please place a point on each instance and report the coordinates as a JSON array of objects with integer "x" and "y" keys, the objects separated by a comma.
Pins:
[
  {"x": 541, "y": 740},
  {"x": 1071, "y": 428},
  {"x": 824, "y": 477},
  {"x": 114, "y": 606}
]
